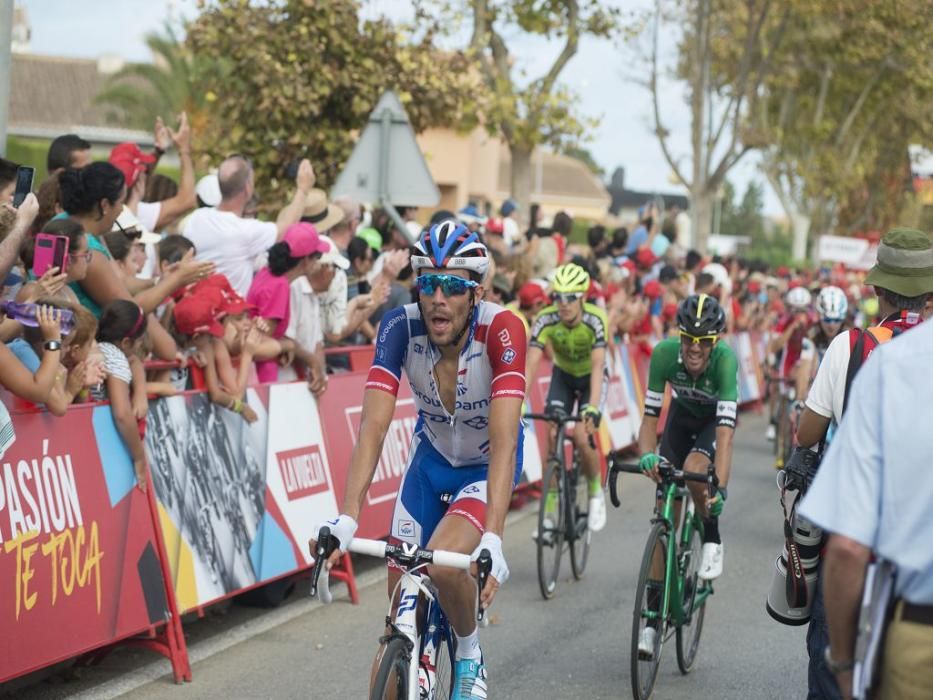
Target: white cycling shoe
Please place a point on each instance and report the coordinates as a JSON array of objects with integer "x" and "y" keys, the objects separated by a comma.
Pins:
[
  {"x": 771, "y": 432},
  {"x": 596, "y": 518},
  {"x": 711, "y": 563},
  {"x": 646, "y": 639}
]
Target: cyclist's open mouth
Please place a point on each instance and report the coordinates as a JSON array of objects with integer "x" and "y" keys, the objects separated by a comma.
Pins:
[
  {"x": 439, "y": 325},
  {"x": 693, "y": 357}
]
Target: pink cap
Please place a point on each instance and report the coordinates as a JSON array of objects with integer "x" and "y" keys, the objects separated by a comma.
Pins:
[{"x": 303, "y": 240}]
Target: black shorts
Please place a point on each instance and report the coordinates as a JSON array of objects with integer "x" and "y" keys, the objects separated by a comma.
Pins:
[
  {"x": 685, "y": 433},
  {"x": 567, "y": 391}
]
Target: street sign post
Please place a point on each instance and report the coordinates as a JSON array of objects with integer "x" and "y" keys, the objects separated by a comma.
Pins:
[{"x": 387, "y": 165}]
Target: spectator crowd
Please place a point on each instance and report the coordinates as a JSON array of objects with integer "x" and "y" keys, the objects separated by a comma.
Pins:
[{"x": 171, "y": 285}]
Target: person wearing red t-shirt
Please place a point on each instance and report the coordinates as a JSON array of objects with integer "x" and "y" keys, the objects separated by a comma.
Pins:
[{"x": 789, "y": 338}]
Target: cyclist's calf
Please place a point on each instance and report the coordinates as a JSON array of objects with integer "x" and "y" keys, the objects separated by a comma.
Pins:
[{"x": 697, "y": 463}]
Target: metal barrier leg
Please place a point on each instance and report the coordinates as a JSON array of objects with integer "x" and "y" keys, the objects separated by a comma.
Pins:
[{"x": 173, "y": 646}]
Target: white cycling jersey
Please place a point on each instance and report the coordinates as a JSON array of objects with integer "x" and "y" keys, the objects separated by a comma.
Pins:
[{"x": 492, "y": 366}]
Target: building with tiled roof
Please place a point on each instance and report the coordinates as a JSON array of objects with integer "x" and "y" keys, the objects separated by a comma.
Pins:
[{"x": 476, "y": 167}]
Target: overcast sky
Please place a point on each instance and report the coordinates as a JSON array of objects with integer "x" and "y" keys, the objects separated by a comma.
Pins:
[{"x": 599, "y": 73}]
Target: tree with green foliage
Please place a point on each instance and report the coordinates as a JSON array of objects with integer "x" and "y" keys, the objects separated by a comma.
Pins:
[
  {"x": 725, "y": 50},
  {"x": 540, "y": 111},
  {"x": 299, "y": 79},
  {"x": 744, "y": 216},
  {"x": 173, "y": 83},
  {"x": 852, "y": 88}
]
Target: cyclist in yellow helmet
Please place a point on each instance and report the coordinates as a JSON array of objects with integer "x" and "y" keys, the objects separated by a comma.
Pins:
[{"x": 576, "y": 333}]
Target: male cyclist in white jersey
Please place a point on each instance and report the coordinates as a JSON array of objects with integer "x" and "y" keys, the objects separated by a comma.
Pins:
[{"x": 465, "y": 363}]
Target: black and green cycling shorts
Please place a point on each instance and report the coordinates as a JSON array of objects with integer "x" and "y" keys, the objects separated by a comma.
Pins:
[
  {"x": 685, "y": 433},
  {"x": 568, "y": 391}
]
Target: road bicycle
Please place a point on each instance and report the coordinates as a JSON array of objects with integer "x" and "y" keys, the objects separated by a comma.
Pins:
[
  {"x": 569, "y": 525},
  {"x": 681, "y": 593},
  {"x": 417, "y": 653}
]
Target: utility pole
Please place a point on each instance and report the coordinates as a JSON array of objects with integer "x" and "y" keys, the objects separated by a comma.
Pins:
[{"x": 6, "y": 47}]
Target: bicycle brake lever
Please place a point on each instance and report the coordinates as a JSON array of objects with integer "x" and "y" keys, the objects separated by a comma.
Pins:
[
  {"x": 321, "y": 552},
  {"x": 712, "y": 481},
  {"x": 483, "y": 567},
  {"x": 613, "y": 490}
]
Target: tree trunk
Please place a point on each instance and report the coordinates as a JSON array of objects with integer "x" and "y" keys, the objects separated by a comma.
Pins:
[
  {"x": 701, "y": 211},
  {"x": 800, "y": 225},
  {"x": 521, "y": 181}
]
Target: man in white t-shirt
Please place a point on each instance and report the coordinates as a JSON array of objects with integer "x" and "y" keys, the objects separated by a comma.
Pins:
[
  {"x": 136, "y": 166},
  {"x": 903, "y": 281},
  {"x": 224, "y": 237}
]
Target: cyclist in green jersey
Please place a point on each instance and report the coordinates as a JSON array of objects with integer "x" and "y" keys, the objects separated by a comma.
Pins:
[
  {"x": 703, "y": 374},
  {"x": 575, "y": 332}
]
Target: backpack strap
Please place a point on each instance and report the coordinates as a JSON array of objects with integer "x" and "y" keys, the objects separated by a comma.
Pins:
[{"x": 861, "y": 343}]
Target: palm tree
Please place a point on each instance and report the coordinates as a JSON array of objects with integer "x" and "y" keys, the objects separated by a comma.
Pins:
[{"x": 172, "y": 83}]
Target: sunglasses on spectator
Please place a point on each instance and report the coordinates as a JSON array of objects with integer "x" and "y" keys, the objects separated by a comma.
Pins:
[
  {"x": 86, "y": 256},
  {"x": 131, "y": 233},
  {"x": 706, "y": 341},
  {"x": 450, "y": 285},
  {"x": 569, "y": 298}
]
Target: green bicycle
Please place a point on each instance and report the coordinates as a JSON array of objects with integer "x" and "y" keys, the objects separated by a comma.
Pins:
[{"x": 668, "y": 576}]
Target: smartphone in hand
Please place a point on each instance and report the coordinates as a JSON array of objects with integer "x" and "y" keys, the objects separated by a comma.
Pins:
[
  {"x": 24, "y": 178},
  {"x": 49, "y": 251}
]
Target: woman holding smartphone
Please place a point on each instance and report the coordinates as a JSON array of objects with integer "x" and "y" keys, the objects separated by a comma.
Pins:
[{"x": 94, "y": 197}]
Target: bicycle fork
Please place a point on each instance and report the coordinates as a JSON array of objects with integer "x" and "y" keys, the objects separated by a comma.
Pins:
[{"x": 406, "y": 624}]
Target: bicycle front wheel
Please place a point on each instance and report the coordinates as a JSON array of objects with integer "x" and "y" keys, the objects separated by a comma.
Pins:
[
  {"x": 579, "y": 504},
  {"x": 551, "y": 526},
  {"x": 392, "y": 676},
  {"x": 688, "y": 634},
  {"x": 648, "y": 595},
  {"x": 444, "y": 664}
]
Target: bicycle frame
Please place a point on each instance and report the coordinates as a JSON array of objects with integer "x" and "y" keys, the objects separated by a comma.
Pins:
[
  {"x": 672, "y": 600},
  {"x": 409, "y": 590}
]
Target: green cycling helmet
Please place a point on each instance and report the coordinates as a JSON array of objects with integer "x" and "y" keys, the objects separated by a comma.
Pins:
[{"x": 571, "y": 279}]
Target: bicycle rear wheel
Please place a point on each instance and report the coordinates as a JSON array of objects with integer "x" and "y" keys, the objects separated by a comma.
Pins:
[
  {"x": 645, "y": 666},
  {"x": 579, "y": 504},
  {"x": 444, "y": 664},
  {"x": 688, "y": 634},
  {"x": 551, "y": 534},
  {"x": 392, "y": 676}
]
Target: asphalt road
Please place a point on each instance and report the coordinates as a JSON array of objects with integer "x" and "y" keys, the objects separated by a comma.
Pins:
[{"x": 573, "y": 646}]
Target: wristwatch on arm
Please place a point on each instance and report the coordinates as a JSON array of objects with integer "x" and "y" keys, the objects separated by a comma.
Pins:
[{"x": 837, "y": 666}]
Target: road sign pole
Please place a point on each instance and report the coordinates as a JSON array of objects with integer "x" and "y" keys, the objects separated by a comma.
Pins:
[
  {"x": 6, "y": 44},
  {"x": 385, "y": 136}
]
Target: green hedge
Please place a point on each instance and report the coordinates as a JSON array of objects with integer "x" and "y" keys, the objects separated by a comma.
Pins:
[{"x": 33, "y": 152}]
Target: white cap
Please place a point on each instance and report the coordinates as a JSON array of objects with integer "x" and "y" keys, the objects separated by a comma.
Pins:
[
  {"x": 720, "y": 275},
  {"x": 333, "y": 256},
  {"x": 127, "y": 220},
  {"x": 208, "y": 189}
]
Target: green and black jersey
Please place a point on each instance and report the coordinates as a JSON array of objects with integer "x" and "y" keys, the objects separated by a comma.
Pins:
[
  {"x": 714, "y": 393},
  {"x": 571, "y": 346}
]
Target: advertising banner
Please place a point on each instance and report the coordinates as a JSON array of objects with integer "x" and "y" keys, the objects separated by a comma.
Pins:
[
  {"x": 749, "y": 371},
  {"x": 238, "y": 502},
  {"x": 78, "y": 561},
  {"x": 341, "y": 408}
]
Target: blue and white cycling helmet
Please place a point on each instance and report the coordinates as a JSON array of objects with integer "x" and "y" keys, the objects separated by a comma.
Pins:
[
  {"x": 450, "y": 245},
  {"x": 832, "y": 304}
]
